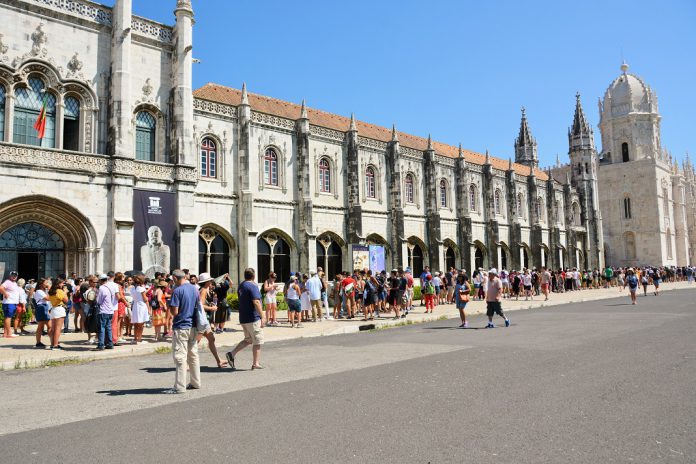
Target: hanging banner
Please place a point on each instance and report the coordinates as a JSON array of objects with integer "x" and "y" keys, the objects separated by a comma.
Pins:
[
  {"x": 377, "y": 259},
  {"x": 361, "y": 257},
  {"x": 155, "y": 232}
]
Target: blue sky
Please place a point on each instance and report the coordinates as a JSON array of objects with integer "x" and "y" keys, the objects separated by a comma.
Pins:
[{"x": 457, "y": 69}]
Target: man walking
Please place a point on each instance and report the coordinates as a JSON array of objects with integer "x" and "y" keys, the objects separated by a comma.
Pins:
[
  {"x": 493, "y": 293},
  {"x": 107, "y": 300},
  {"x": 545, "y": 282},
  {"x": 632, "y": 284},
  {"x": 184, "y": 307},
  {"x": 251, "y": 318}
]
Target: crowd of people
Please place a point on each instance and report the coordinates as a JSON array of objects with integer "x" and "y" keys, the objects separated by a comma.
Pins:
[{"x": 114, "y": 309}]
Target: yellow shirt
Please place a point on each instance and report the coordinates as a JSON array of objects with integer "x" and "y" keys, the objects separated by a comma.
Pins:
[{"x": 58, "y": 298}]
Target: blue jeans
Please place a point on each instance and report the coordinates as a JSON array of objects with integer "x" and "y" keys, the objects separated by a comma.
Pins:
[
  {"x": 66, "y": 321},
  {"x": 105, "y": 329}
]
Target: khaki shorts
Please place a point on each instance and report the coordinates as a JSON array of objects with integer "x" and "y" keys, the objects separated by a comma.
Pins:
[{"x": 253, "y": 333}]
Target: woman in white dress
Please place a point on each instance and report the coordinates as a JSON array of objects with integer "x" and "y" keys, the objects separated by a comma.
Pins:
[
  {"x": 270, "y": 289},
  {"x": 139, "y": 312}
]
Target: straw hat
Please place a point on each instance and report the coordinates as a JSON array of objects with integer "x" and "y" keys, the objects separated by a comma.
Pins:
[{"x": 204, "y": 277}]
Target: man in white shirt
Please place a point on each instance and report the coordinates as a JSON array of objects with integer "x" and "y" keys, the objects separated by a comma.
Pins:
[
  {"x": 10, "y": 299},
  {"x": 107, "y": 299},
  {"x": 314, "y": 287}
]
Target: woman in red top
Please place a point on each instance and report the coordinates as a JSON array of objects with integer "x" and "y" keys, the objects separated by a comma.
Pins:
[{"x": 120, "y": 313}]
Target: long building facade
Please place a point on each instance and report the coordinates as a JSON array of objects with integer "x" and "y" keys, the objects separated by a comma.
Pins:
[{"x": 137, "y": 170}]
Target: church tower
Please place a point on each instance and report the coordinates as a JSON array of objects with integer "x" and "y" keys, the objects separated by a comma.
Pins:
[
  {"x": 583, "y": 169},
  {"x": 641, "y": 194},
  {"x": 526, "y": 145}
]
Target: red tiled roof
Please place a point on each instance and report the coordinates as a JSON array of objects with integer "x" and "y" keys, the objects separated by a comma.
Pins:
[{"x": 229, "y": 96}]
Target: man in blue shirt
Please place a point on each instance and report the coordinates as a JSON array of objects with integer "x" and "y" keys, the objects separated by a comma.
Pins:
[
  {"x": 251, "y": 317},
  {"x": 184, "y": 306}
]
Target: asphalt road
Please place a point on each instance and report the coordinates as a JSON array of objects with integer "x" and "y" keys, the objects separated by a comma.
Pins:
[{"x": 600, "y": 382}]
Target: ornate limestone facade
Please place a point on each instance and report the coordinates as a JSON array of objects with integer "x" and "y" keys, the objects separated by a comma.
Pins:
[{"x": 259, "y": 182}]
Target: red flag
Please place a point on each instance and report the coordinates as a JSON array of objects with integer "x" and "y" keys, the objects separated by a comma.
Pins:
[{"x": 40, "y": 124}]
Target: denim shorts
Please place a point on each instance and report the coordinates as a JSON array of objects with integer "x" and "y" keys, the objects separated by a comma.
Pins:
[
  {"x": 294, "y": 305},
  {"x": 9, "y": 310}
]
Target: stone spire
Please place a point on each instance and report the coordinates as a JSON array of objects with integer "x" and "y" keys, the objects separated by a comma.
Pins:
[
  {"x": 430, "y": 142},
  {"x": 245, "y": 97},
  {"x": 488, "y": 157},
  {"x": 461, "y": 152},
  {"x": 580, "y": 136},
  {"x": 353, "y": 126},
  {"x": 526, "y": 145},
  {"x": 510, "y": 164},
  {"x": 303, "y": 110},
  {"x": 395, "y": 136}
]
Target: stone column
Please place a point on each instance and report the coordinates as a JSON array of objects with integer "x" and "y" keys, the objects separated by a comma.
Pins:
[
  {"x": 303, "y": 211},
  {"x": 355, "y": 233},
  {"x": 245, "y": 203},
  {"x": 396, "y": 210},
  {"x": 60, "y": 113},
  {"x": 9, "y": 114},
  {"x": 432, "y": 215},
  {"x": 121, "y": 142},
  {"x": 182, "y": 139}
]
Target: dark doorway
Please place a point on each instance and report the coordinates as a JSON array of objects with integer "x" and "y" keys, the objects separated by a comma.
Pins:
[
  {"x": 450, "y": 259},
  {"x": 478, "y": 258},
  {"x": 28, "y": 265}
]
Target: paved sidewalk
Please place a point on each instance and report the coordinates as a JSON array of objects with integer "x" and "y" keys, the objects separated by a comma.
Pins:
[{"x": 20, "y": 353}]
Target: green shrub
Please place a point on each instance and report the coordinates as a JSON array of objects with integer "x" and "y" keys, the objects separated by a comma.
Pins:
[
  {"x": 416, "y": 293},
  {"x": 282, "y": 304},
  {"x": 26, "y": 318},
  {"x": 233, "y": 301}
]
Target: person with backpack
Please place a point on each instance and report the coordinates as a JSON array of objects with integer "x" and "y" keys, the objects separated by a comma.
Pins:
[
  {"x": 461, "y": 294},
  {"x": 644, "y": 281},
  {"x": 429, "y": 291},
  {"x": 632, "y": 284}
]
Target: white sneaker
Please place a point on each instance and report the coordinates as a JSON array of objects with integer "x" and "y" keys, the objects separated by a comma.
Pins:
[{"x": 143, "y": 342}]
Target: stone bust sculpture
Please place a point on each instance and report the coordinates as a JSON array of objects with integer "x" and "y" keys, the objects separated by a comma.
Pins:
[{"x": 154, "y": 255}]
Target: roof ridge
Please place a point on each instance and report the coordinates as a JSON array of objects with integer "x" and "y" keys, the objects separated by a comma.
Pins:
[{"x": 406, "y": 139}]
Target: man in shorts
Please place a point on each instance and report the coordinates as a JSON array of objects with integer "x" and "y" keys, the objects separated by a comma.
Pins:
[
  {"x": 348, "y": 285},
  {"x": 493, "y": 294},
  {"x": 545, "y": 282},
  {"x": 394, "y": 297},
  {"x": 252, "y": 319}
]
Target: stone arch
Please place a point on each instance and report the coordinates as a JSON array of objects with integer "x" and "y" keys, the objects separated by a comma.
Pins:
[
  {"x": 78, "y": 235},
  {"x": 505, "y": 260},
  {"x": 417, "y": 255},
  {"x": 208, "y": 247},
  {"x": 43, "y": 68},
  {"x": 279, "y": 259},
  {"x": 480, "y": 256},
  {"x": 451, "y": 254},
  {"x": 525, "y": 256},
  {"x": 331, "y": 253}
]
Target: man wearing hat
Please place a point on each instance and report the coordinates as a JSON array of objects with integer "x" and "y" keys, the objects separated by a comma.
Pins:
[
  {"x": 10, "y": 299},
  {"x": 493, "y": 295},
  {"x": 107, "y": 300}
]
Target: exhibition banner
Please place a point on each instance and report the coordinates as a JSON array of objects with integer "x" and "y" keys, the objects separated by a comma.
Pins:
[{"x": 155, "y": 232}]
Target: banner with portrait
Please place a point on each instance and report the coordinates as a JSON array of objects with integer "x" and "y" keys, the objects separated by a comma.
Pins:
[
  {"x": 155, "y": 232},
  {"x": 361, "y": 257},
  {"x": 377, "y": 261}
]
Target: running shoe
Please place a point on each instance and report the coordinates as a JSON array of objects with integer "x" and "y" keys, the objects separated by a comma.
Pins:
[
  {"x": 490, "y": 326},
  {"x": 507, "y": 322}
]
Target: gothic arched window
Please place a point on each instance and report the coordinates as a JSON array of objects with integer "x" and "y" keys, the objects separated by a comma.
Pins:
[
  {"x": 71, "y": 124},
  {"x": 145, "y": 129},
  {"x": 324, "y": 175},
  {"x": 624, "y": 152},
  {"x": 270, "y": 167},
  {"x": 443, "y": 193},
  {"x": 370, "y": 190},
  {"x": 2, "y": 113},
  {"x": 409, "y": 188},
  {"x": 472, "y": 197},
  {"x": 496, "y": 202},
  {"x": 29, "y": 102},
  {"x": 209, "y": 158}
]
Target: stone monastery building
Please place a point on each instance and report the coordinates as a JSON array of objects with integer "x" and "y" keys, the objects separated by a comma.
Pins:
[{"x": 233, "y": 179}]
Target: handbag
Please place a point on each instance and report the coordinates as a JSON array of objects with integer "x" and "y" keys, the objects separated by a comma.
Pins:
[{"x": 463, "y": 296}]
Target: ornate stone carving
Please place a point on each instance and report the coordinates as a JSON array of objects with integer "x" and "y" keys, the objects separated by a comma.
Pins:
[
  {"x": 29, "y": 156},
  {"x": 323, "y": 132},
  {"x": 87, "y": 10},
  {"x": 3, "y": 51},
  {"x": 406, "y": 151},
  {"x": 215, "y": 108},
  {"x": 151, "y": 29},
  {"x": 75, "y": 68},
  {"x": 372, "y": 143},
  {"x": 147, "y": 92},
  {"x": 273, "y": 121},
  {"x": 39, "y": 40}
]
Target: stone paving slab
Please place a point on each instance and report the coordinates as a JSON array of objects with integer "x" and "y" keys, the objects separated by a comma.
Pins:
[{"x": 20, "y": 353}]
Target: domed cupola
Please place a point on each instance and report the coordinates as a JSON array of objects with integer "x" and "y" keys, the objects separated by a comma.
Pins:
[{"x": 628, "y": 94}]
